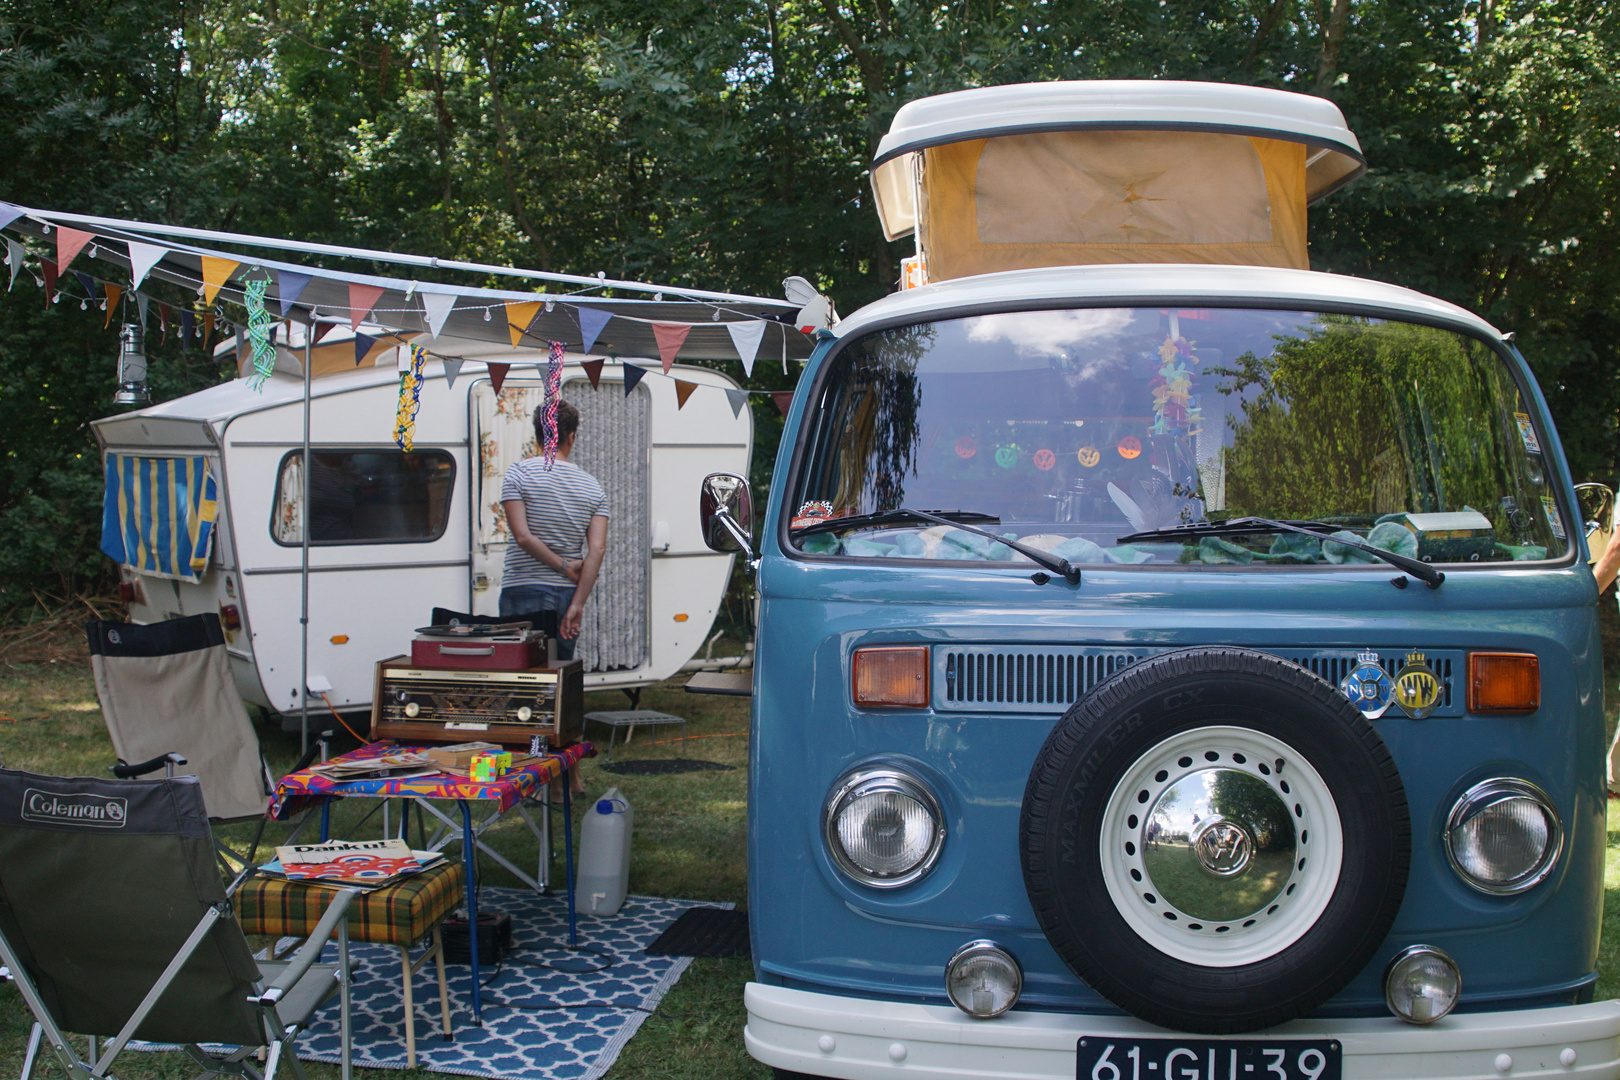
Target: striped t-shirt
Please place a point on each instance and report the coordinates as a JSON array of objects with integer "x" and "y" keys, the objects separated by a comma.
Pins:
[{"x": 559, "y": 504}]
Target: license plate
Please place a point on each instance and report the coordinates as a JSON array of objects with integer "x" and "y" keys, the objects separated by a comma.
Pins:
[{"x": 1207, "y": 1059}]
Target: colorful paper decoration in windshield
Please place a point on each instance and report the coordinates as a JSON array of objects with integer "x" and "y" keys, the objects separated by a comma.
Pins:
[
  {"x": 1555, "y": 520},
  {"x": 1129, "y": 447},
  {"x": 1532, "y": 445},
  {"x": 1089, "y": 456},
  {"x": 553, "y": 395},
  {"x": 1417, "y": 688},
  {"x": 259, "y": 323},
  {"x": 1044, "y": 460},
  {"x": 1006, "y": 456},
  {"x": 1369, "y": 686},
  {"x": 410, "y": 399},
  {"x": 966, "y": 447},
  {"x": 1175, "y": 410}
]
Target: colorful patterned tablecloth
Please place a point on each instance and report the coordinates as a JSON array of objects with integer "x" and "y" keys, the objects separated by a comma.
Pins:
[{"x": 295, "y": 791}]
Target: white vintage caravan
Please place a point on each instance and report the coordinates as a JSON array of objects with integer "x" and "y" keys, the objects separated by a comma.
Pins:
[{"x": 394, "y": 535}]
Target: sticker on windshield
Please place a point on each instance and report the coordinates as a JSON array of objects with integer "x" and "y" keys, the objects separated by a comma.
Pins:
[
  {"x": 1129, "y": 447},
  {"x": 1088, "y": 456},
  {"x": 810, "y": 513},
  {"x": 966, "y": 447},
  {"x": 1417, "y": 688},
  {"x": 1044, "y": 460},
  {"x": 1369, "y": 686},
  {"x": 1555, "y": 520},
  {"x": 1532, "y": 445},
  {"x": 1006, "y": 456}
]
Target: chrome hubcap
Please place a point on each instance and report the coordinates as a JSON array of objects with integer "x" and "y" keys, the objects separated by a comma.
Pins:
[{"x": 1219, "y": 844}]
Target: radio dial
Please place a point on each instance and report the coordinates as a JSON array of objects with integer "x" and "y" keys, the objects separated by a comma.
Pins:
[
  {"x": 412, "y": 709},
  {"x": 524, "y": 712}
]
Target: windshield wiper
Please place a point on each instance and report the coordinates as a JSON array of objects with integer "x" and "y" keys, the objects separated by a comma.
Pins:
[
  {"x": 1321, "y": 530},
  {"x": 957, "y": 519}
]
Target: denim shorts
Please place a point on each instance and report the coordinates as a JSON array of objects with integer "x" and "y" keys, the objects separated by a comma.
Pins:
[{"x": 527, "y": 599}]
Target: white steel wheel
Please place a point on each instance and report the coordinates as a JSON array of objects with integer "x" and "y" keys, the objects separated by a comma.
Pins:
[{"x": 1221, "y": 846}]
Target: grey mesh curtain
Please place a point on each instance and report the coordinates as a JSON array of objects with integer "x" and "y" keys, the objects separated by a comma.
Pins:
[{"x": 615, "y": 446}]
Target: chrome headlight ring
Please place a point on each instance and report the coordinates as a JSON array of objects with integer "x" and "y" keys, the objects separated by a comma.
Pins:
[
  {"x": 1485, "y": 796},
  {"x": 881, "y": 789}
]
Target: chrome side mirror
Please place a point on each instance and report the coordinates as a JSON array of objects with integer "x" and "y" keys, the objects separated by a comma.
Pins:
[
  {"x": 1597, "y": 512},
  {"x": 726, "y": 514}
]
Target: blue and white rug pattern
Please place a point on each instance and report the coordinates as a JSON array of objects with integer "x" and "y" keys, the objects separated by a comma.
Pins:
[{"x": 546, "y": 1040}]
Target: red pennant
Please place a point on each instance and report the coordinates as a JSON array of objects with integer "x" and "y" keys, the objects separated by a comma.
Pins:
[
  {"x": 671, "y": 336},
  {"x": 783, "y": 399},
  {"x": 69, "y": 242},
  {"x": 113, "y": 293},
  {"x": 165, "y": 317},
  {"x": 50, "y": 280},
  {"x": 208, "y": 328},
  {"x": 362, "y": 298},
  {"x": 593, "y": 371},
  {"x": 497, "y": 375},
  {"x": 321, "y": 330},
  {"x": 683, "y": 390}
]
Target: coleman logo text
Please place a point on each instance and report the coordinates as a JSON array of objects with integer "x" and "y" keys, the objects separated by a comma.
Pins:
[{"x": 97, "y": 811}]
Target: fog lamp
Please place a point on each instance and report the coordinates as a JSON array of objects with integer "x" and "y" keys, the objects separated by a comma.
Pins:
[
  {"x": 883, "y": 826},
  {"x": 1503, "y": 836},
  {"x": 1421, "y": 984},
  {"x": 983, "y": 980}
]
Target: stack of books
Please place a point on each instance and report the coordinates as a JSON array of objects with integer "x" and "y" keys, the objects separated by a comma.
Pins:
[
  {"x": 344, "y": 864},
  {"x": 395, "y": 766}
]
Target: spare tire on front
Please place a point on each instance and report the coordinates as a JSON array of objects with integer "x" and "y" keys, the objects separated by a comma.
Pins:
[{"x": 1215, "y": 840}]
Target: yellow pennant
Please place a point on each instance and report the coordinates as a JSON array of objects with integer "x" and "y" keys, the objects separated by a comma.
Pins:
[
  {"x": 216, "y": 272},
  {"x": 519, "y": 314}
]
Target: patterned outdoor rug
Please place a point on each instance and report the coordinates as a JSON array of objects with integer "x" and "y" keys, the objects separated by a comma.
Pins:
[{"x": 558, "y": 1035}]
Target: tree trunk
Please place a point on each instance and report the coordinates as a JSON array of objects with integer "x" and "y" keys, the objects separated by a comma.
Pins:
[{"x": 1332, "y": 41}]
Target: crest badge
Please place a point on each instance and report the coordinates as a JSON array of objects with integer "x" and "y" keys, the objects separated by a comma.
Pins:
[
  {"x": 1417, "y": 687},
  {"x": 1369, "y": 686}
]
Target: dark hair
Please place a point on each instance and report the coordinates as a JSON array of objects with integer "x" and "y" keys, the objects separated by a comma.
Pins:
[{"x": 567, "y": 423}]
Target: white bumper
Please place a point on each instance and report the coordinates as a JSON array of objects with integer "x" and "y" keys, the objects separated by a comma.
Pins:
[{"x": 860, "y": 1039}]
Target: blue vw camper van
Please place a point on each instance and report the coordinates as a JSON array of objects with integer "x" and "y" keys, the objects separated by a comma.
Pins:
[{"x": 1172, "y": 663}]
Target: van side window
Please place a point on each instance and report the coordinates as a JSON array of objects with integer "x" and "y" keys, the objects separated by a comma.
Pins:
[{"x": 364, "y": 497}]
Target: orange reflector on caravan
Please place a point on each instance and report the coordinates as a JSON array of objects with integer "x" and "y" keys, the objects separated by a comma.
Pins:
[
  {"x": 891, "y": 675},
  {"x": 1503, "y": 682}
]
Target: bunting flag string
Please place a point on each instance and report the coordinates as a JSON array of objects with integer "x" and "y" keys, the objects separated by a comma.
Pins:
[
  {"x": 49, "y": 269},
  {"x": 208, "y": 329},
  {"x": 683, "y": 390},
  {"x": 142, "y": 257},
  {"x": 289, "y": 286},
  {"x": 142, "y": 304},
  {"x": 14, "y": 256},
  {"x": 215, "y": 273},
  {"x": 591, "y": 322},
  {"x": 745, "y": 337},
  {"x": 258, "y": 335},
  {"x": 188, "y": 326},
  {"x": 436, "y": 308},
  {"x": 362, "y": 298},
  {"x": 9, "y": 213},
  {"x": 553, "y": 396},
  {"x": 410, "y": 399},
  {"x": 670, "y": 338},
  {"x": 736, "y": 399},
  {"x": 363, "y": 344},
  {"x": 452, "y": 368},
  {"x": 497, "y": 374},
  {"x": 519, "y": 314},
  {"x": 633, "y": 374}
]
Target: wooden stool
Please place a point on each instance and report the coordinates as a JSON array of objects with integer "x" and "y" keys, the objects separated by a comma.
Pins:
[{"x": 399, "y": 915}]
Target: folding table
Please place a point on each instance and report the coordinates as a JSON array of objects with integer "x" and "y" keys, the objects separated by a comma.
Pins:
[{"x": 299, "y": 790}]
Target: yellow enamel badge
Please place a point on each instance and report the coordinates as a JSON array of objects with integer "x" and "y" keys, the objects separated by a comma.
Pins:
[{"x": 1417, "y": 688}]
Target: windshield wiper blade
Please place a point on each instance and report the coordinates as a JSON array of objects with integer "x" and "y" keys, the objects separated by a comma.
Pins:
[
  {"x": 956, "y": 519},
  {"x": 1321, "y": 530}
]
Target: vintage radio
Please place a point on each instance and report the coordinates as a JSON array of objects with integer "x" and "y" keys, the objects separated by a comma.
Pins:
[{"x": 417, "y": 704}]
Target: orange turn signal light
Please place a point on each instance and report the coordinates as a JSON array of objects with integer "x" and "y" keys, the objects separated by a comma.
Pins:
[
  {"x": 892, "y": 675},
  {"x": 1503, "y": 682}
]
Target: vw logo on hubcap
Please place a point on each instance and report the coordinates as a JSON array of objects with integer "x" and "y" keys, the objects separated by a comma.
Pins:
[{"x": 1223, "y": 847}]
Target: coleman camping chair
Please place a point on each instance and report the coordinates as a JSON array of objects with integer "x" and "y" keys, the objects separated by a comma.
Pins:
[
  {"x": 171, "y": 703},
  {"x": 115, "y": 924}
]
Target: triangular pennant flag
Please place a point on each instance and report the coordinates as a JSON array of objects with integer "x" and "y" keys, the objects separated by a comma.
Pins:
[
  {"x": 188, "y": 327},
  {"x": 783, "y": 399},
  {"x": 745, "y": 338},
  {"x": 86, "y": 282},
  {"x": 142, "y": 304},
  {"x": 165, "y": 317},
  {"x": 113, "y": 293},
  {"x": 632, "y": 375},
  {"x": 683, "y": 390},
  {"x": 452, "y": 368},
  {"x": 9, "y": 213},
  {"x": 289, "y": 286},
  {"x": 69, "y": 242},
  {"x": 216, "y": 272},
  {"x": 362, "y": 298},
  {"x": 436, "y": 308},
  {"x": 519, "y": 314},
  {"x": 49, "y": 269},
  {"x": 591, "y": 321},
  {"x": 142, "y": 257},
  {"x": 15, "y": 254},
  {"x": 671, "y": 336},
  {"x": 593, "y": 371},
  {"x": 208, "y": 328},
  {"x": 737, "y": 399},
  {"x": 321, "y": 330},
  {"x": 497, "y": 375},
  {"x": 362, "y": 345}
]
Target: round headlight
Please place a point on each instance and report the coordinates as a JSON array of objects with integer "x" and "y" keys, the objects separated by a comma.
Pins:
[
  {"x": 1421, "y": 984},
  {"x": 883, "y": 826},
  {"x": 1503, "y": 836},
  {"x": 983, "y": 980}
]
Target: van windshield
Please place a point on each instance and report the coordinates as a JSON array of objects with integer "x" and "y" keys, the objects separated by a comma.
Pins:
[{"x": 1069, "y": 429}]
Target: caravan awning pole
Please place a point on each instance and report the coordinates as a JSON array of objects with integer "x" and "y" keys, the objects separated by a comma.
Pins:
[{"x": 303, "y": 521}]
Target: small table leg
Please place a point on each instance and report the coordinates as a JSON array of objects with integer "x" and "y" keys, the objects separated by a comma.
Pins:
[
  {"x": 469, "y": 848},
  {"x": 568, "y": 854},
  {"x": 326, "y": 820}
]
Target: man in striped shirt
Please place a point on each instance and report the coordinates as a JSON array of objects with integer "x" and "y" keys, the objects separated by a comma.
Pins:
[{"x": 558, "y": 518}]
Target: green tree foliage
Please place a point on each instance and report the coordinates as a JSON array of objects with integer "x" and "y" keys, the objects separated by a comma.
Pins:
[{"x": 725, "y": 144}]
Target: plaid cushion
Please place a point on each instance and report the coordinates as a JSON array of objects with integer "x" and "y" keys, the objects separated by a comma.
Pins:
[{"x": 396, "y": 915}]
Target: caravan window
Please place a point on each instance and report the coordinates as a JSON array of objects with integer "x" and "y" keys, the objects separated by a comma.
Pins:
[{"x": 365, "y": 497}]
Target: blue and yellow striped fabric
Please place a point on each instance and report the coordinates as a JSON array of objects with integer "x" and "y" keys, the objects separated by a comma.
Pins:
[{"x": 158, "y": 514}]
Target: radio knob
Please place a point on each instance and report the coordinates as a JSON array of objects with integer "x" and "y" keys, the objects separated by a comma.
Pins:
[
  {"x": 524, "y": 712},
  {"x": 412, "y": 709}
]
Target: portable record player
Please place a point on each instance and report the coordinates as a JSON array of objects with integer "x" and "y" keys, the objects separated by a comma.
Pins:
[{"x": 479, "y": 647}]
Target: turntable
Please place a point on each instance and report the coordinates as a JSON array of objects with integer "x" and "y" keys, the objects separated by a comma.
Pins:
[{"x": 479, "y": 646}]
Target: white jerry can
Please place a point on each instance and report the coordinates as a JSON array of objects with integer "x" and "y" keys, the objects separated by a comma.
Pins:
[{"x": 604, "y": 855}]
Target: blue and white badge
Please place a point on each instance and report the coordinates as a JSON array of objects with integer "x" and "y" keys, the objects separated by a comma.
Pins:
[{"x": 1369, "y": 686}]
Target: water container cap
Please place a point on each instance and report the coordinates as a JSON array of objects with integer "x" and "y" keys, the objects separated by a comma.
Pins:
[{"x": 604, "y": 806}]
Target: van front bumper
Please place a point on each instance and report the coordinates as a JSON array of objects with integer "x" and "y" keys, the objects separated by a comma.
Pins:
[{"x": 862, "y": 1039}]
